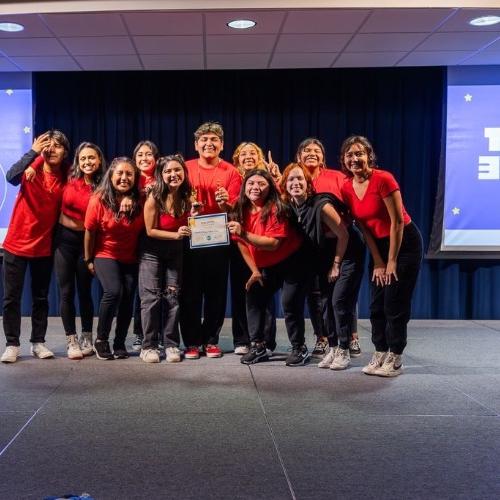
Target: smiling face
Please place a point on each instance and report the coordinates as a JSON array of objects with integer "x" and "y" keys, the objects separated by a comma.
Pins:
[
  {"x": 296, "y": 184},
  {"x": 248, "y": 157},
  {"x": 145, "y": 159},
  {"x": 311, "y": 156},
  {"x": 257, "y": 189},
  {"x": 173, "y": 175},
  {"x": 88, "y": 161},
  {"x": 123, "y": 177},
  {"x": 356, "y": 160},
  {"x": 209, "y": 146}
]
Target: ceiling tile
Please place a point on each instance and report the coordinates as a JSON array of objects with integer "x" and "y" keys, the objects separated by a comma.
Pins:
[
  {"x": 172, "y": 61},
  {"x": 109, "y": 63},
  {"x": 168, "y": 44},
  {"x": 164, "y": 23},
  {"x": 303, "y": 60},
  {"x": 448, "y": 58},
  {"x": 396, "y": 42},
  {"x": 83, "y": 24},
  {"x": 460, "y": 21},
  {"x": 312, "y": 43},
  {"x": 324, "y": 21},
  {"x": 33, "y": 26},
  {"x": 458, "y": 41},
  {"x": 483, "y": 58},
  {"x": 32, "y": 47},
  {"x": 224, "y": 44},
  {"x": 368, "y": 59},
  {"x": 100, "y": 45},
  {"x": 267, "y": 22},
  {"x": 405, "y": 20},
  {"x": 237, "y": 61},
  {"x": 61, "y": 63},
  {"x": 6, "y": 65}
]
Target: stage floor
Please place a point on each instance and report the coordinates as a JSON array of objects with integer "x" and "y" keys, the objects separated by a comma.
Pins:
[{"x": 214, "y": 428}]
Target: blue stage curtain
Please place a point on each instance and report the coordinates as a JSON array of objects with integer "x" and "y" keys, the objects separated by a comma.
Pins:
[{"x": 399, "y": 109}]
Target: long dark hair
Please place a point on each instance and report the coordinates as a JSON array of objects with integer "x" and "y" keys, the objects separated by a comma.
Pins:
[
  {"x": 273, "y": 199},
  {"x": 160, "y": 190},
  {"x": 76, "y": 173},
  {"x": 150, "y": 144},
  {"x": 108, "y": 193},
  {"x": 362, "y": 141}
]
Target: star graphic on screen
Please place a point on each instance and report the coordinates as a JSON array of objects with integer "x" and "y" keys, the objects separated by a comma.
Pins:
[
  {"x": 468, "y": 98},
  {"x": 27, "y": 130},
  {"x": 9, "y": 91},
  {"x": 456, "y": 211}
]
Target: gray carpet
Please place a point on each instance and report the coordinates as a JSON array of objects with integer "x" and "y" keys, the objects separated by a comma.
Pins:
[{"x": 213, "y": 428}]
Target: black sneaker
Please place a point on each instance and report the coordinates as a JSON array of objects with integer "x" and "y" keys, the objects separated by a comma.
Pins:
[
  {"x": 298, "y": 357},
  {"x": 120, "y": 352},
  {"x": 258, "y": 352},
  {"x": 102, "y": 350}
]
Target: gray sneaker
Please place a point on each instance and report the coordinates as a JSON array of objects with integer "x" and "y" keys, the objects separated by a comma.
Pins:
[
  {"x": 73, "y": 348},
  {"x": 354, "y": 348},
  {"x": 137, "y": 344},
  {"x": 150, "y": 355},
  {"x": 38, "y": 350},
  {"x": 376, "y": 362},
  {"x": 10, "y": 354},
  {"x": 86, "y": 343},
  {"x": 341, "y": 360},
  {"x": 392, "y": 367},
  {"x": 328, "y": 359},
  {"x": 173, "y": 354}
]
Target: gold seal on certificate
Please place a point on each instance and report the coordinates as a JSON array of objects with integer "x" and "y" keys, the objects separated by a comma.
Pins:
[{"x": 208, "y": 230}]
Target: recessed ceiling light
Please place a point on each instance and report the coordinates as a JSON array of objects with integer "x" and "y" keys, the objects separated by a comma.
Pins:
[
  {"x": 485, "y": 21},
  {"x": 11, "y": 27},
  {"x": 241, "y": 24}
]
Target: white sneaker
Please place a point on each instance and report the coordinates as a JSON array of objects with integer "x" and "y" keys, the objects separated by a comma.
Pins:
[
  {"x": 73, "y": 348},
  {"x": 392, "y": 366},
  {"x": 341, "y": 360},
  {"x": 150, "y": 355},
  {"x": 86, "y": 343},
  {"x": 173, "y": 354},
  {"x": 38, "y": 350},
  {"x": 376, "y": 362},
  {"x": 241, "y": 350},
  {"x": 10, "y": 354},
  {"x": 328, "y": 358}
]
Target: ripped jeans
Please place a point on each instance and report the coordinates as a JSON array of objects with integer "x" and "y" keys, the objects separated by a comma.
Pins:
[{"x": 159, "y": 288}]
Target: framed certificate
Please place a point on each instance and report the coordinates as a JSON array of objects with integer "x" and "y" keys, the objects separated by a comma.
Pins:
[{"x": 208, "y": 230}]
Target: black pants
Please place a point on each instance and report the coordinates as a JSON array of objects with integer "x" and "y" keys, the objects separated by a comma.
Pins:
[
  {"x": 390, "y": 306},
  {"x": 159, "y": 288},
  {"x": 291, "y": 276},
  {"x": 204, "y": 290},
  {"x": 118, "y": 281},
  {"x": 14, "y": 270},
  {"x": 69, "y": 266},
  {"x": 239, "y": 275}
]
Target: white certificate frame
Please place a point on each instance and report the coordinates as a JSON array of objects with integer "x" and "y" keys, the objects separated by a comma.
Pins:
[{"x": 208, "y": 231}]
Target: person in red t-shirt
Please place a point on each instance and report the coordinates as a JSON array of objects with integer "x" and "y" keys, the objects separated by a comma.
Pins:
[
  {"x": 215, "y": 187},
  {"x": 246, "y": 157},
  {"x": 145, "y": 155},
  {"x": 111, "y": 241},
  {"x": 311, "y": 155},
  {"x": 86, "y": 173},
  {"x": 272, "y": 250},
  {"x": 395, "y": 244},
  {"x": 29, "y": 240},
  {"x": 160, "y": 265}
]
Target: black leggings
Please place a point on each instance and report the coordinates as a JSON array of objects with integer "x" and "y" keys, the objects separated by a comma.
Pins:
[{"x": 69, "y": 267}]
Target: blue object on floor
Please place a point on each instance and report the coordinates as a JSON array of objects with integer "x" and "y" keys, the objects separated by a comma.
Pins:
[{"x": 83, "y": 496}]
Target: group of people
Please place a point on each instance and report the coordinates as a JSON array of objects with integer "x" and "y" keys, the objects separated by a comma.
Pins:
[{"x": 302, "y": 231}]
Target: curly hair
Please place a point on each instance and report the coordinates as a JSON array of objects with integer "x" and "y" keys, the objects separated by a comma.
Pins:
[{"x": 236, "y": 157}]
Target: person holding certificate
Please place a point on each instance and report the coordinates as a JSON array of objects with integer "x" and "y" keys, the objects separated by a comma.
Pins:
[
  {"x": 215, "y": 187},
  {"x": 273, "y": 251},
  {"x": 160, "y": 265}
]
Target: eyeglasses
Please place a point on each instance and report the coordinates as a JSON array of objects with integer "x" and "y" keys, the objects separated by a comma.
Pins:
[{"x": 357, "y": 154}]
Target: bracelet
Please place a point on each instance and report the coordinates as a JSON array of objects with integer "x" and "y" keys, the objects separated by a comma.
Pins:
[
  {"x": 338, "y": 262},
  {"x": 88, "y": 261}
]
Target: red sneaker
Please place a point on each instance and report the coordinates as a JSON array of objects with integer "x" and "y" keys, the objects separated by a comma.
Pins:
[
  {"x": 213, "y": 351},
  {"x": 192, "y": 352}
]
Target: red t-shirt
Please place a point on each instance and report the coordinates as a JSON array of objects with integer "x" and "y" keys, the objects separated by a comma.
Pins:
[
  {"x": 145, "y": 181},
  {"x": 329, "y": 181},
  {"x": 371, "y": 209},
  {"x": 114, "y": 239},
  {"x": 76, "y": 198},
  {"x": 290, "y": 240},
  {"x": 205, "y": 182},
  {"x": 35, "y": 214},
  {"x": 167, "y": 222}
]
